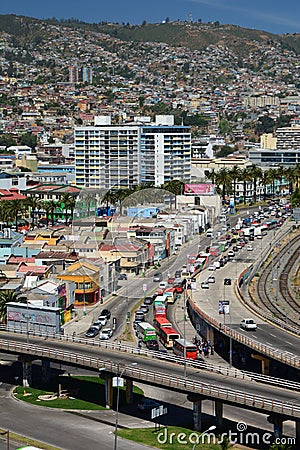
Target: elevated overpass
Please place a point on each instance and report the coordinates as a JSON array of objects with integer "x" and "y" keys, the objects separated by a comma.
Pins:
[{"x": 279, "y": 402}]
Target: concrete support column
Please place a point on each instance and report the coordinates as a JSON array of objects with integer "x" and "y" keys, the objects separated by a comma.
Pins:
[
  {"x": 27, "y": 373},
  {"x": 45, "y": 371},
  {"x": 129, "y": 396},
  {"x": 197, "y": 414},
  {"x": 108, "y": 391},
  {"x": 297, "y": 425},
  {"x": 219, "y": 413},
  {"x": 278, "y": 426}
]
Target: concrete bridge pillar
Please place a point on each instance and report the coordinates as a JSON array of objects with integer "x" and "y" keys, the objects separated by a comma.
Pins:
[
  {"x": 129, "y": 396},
  {"x": 277, "y": 422},
  {"x": 219, "y": 413},
  {"x": 197, "y": 414},
  {"x": 109, "y": 394},
  {"x": 27, "y": 370},
  {"x": 27, "y": 373},
  {"x": 46, "y": 370},
  {"x": 297, "y": 424},
  {"x": 265, "y": 364}
]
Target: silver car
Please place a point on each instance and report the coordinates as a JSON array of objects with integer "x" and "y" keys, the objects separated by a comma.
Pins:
[{"x": 106, "y": 333}]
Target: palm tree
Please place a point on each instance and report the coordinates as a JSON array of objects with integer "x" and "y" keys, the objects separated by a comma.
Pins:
[
  {"x": 68, "y": 203},
  {"x": 245, "y": 176},
  {"x": 35, "y": 205},
  {"x": 5, "y": 213},
  {"x": 53, "y": 205},
  {"x": 16, "y": 209},
  {"x": 290, "y": 175},
  {"x": 223, "y": 179},
  {"x": 6, "y": 297},
  {"x": 255, "y": 173},
  {"x": 175, "y": 187},
  {"x": 47, "y": 208},
  {"x": 265, "y": 180},
  {"x": 211, "y": 175},
  {"x": 235, "y": 174}
]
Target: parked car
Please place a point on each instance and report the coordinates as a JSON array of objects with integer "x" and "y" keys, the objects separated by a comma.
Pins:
[
  {"x": 231, "y": 254},
  {"x": 249, "y": 247},
  {"x": 97, "y": 324},
  {"x": 106, "y": 313},
  {"x": 148, "y": 300},
  {"x": 145, "y": 404},
  {"x": 106, "y": 333},
  {"x": 157, "y": 277},
  {"x": 212, "y": 267},
  {"x": 204, "y": 285},
  {"x": 152, "y": 345},
  {"x": 92, "y": 332},
  {"x": 102, "y": 320},
  {"x": 144, "y": 308},
  {"x": 163, "y": 285},
  {"x": 123, "y": 276},
  {"x": 171, "y": 280},
  {"x": 248, "y": 324}
]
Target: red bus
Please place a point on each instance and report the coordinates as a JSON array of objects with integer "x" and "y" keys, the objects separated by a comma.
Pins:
[
  {"x": 182, "y": 346},
  {"x": 167, "y": 336},
  {"x": 160, "y": 311},
  {"x": 170, "y": 294},
  {"x": 161, "y": 322}
]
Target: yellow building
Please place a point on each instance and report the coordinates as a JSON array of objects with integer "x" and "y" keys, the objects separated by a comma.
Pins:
[
  {"x": 267, "y": 140},
  {"x": 86, "y": 277}
]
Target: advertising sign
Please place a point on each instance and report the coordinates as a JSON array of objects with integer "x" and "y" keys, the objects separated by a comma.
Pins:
[
  {"x": 224, "y": 307},
  {"x": 200, "y": 189}
]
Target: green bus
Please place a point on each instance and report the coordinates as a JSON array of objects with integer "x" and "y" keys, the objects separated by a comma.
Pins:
[{"x": 146, "y": 332}]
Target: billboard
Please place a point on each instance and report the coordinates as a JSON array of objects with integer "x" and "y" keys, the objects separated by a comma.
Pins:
[
  {"x": 199, "y": 189},
  {"x": 21, "y": 316},
  {"x": 223, "y": 307}
]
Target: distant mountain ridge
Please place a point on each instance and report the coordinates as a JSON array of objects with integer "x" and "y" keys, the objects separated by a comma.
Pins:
[{"x": 193, "y": 35}]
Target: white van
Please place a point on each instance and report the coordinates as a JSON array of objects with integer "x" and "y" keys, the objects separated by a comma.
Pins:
[
  {"x": 217, "y": 264},
  {"x": 210, "y": 233}
]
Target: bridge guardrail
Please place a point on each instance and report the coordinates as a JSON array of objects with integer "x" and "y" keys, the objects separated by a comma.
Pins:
[
  {"x": 284, "y": 357},
  {"x": 196, "y": 364},
  {"x": 174, "y": 382}
]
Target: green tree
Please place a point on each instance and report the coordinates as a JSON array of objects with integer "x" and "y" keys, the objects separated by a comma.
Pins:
[
  {"x": 6, "y": 297},
  {"x": 235, "y": 175},
  {"x": 35, "y": 206},
  {"x": 47, "y": 208},
  {"x": 28, "y": 139},
  {"x": 54, "y": 206},
  {"x": 68, "y": 203},
  {"x": 16, "y": 208},
  {"x": 255, "y": 173},
  {"x": 223, "y": 178}
]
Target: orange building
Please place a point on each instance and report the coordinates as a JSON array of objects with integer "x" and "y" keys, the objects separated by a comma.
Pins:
[{"x": 87, "y": 282}]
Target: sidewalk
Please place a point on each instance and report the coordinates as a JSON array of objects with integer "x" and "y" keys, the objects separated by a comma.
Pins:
[{"x": 186, "y": 328}]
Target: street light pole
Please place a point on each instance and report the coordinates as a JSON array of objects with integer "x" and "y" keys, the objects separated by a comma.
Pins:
[
  {"x": 117, "y": 407},
  {"x": 84, "y": 307},
  {"x": 184, "y": 314},
  {"x": 213, "y": 427}
]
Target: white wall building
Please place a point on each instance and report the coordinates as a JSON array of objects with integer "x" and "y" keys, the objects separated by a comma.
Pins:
[{"x": 126, "y": 155}]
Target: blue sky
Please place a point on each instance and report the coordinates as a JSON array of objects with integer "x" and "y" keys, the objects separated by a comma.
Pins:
[{"x": 276, "y": 16}]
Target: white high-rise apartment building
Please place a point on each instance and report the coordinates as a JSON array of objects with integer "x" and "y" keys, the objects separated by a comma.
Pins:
[{"x": 126, "y": 155}]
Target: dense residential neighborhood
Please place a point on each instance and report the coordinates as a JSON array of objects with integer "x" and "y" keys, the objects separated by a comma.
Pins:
[{"x": 90, "y": 123}]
